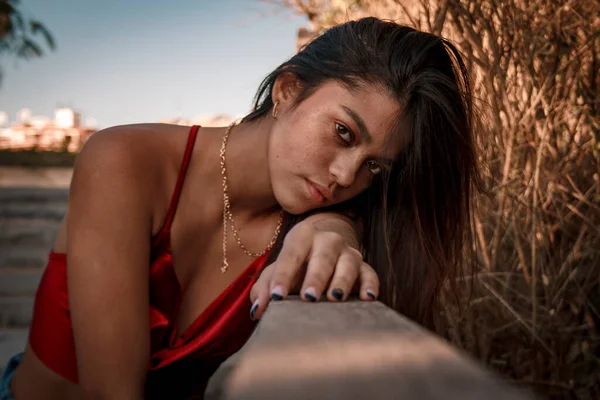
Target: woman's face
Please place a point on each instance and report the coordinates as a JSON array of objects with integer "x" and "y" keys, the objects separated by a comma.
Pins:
[{"x": 329, "y": 148}]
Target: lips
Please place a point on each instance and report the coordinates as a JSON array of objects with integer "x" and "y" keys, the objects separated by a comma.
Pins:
[{"x": 317, "y": 192}]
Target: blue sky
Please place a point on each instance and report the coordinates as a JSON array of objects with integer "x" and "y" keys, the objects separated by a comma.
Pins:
[{"x": 128, "y": 61}]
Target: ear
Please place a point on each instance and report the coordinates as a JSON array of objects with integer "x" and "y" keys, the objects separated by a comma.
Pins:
[{"x": 286, "y": 88}]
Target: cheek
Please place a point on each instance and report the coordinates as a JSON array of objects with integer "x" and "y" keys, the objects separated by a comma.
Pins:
[
  {"x": 305, "y": 149},
  {"x": 288, "y": 155}
]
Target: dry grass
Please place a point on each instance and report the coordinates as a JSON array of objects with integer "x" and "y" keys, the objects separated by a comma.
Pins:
[{"x": 534, "y": 313}]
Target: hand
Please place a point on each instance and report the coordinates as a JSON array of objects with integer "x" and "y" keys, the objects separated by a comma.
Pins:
[{"x": 315, "y": 256}]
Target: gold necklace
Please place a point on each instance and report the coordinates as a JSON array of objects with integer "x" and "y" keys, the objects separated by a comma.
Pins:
[{"x": 227, "y": 216}]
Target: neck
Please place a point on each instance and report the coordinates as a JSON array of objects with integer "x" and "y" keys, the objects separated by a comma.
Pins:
[{"x": 248, "y": 177}]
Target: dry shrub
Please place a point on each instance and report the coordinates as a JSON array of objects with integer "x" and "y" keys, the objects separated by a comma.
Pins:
[{"x": 534, "y": 310}]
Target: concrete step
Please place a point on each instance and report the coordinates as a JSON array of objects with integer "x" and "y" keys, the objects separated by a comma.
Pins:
[
  {"x": 33, "y": 194},
  {"x": 12, "y": 341},
  {"x": 28, "y": 231},
  {"x": 33, "y": 203},
  {"x": 16, "y": 311},
  {"x": 23, "y": 256},
  {"x": 19, "y": 281},
  {"x": 48, "y": 210},
  {"x": 46, "y": 177}
]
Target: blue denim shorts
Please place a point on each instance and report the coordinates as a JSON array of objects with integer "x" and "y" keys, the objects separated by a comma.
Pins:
[{"x": 13, "y": 363}]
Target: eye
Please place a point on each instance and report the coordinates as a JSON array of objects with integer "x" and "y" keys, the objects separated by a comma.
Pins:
[
  {"x": 374, "y": 167},
  {"x": 344, "y": 133}
]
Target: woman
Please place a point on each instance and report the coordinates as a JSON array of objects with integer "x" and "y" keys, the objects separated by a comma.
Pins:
[{"x": 361, "y": 141}]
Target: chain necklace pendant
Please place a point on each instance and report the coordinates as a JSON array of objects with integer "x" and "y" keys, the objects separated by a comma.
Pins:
[
  {"x": 225, "y": 264},
  {"x": 227, "y": 216}
]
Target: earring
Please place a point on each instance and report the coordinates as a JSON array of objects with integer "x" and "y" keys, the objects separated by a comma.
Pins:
[{"x": 275, "y": 109}]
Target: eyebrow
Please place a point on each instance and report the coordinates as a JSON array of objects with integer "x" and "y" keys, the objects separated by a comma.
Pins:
[
  {"x": 364, "y": 132},
  {"x": 362, "y": 127}
]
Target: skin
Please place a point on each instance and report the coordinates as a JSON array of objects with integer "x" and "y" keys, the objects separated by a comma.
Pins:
[{"x": 120, "y": 193}]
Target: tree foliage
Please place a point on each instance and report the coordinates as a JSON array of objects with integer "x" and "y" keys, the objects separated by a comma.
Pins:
[{"x": 22, "y": 36}]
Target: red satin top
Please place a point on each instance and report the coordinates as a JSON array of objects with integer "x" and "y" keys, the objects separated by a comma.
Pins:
[{"x": 179, "y": 366}]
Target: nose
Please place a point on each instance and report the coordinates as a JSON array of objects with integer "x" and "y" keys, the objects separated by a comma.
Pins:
[{"x": 344, "y": 169}]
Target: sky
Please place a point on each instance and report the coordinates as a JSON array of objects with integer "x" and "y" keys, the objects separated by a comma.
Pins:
[{"x": 130, "y": 61}]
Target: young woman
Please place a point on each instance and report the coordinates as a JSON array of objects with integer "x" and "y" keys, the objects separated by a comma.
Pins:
[{"x": 360, "y": 147}]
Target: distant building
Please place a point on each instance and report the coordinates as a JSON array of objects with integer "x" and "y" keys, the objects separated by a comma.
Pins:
[
  {"x": 66, "y": 118},
  {"x": 23, "y": 115},
  {"x": 3, "y": 119},
  {"x": 65, "y": 131},
  {"x": 41, "y": 133}
]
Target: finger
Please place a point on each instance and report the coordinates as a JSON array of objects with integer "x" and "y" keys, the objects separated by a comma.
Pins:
[
  {"x": 260, "y": 295},
  {"x": 290, "y": 263},
  {"x": 369, "y": 282},
  {"x": 323, "y": 259},
  {"x": 345, "y": 275}
]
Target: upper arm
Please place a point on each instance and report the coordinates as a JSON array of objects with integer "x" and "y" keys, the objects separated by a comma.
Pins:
[{"x": 108, "y": 249}]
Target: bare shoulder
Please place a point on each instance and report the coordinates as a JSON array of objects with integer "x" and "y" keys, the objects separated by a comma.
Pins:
[
  {"x": 144, "y": 150},
  {"x": 135, "y": 163},
  {"x": 143, "y": 157},
  {"x": 142, "y": 143}
]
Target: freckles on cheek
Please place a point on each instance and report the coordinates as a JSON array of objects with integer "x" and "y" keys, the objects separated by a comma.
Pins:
[{"x": 320, "y": 153}]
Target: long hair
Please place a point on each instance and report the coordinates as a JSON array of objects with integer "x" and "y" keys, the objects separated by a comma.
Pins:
[{"x": 416, "y": 216}]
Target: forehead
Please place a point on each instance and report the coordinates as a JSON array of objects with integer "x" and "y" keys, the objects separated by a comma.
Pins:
[{"x": 372, "y": 104}]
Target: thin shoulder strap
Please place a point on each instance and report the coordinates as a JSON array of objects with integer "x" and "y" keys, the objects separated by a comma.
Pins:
[{"x": 181, "y": 177}]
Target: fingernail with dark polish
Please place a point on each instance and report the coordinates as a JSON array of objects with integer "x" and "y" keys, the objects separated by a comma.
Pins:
[
  {"x": 253, "y": 310},
  {"x": 277, "y": 293},
  {"x": 371, "y": 295},
  {"x": 338, "y": 294},
  {"x": 309, "y": 294}
]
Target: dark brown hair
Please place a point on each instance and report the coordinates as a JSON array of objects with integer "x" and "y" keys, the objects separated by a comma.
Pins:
[{"x": 416, "y": 216}]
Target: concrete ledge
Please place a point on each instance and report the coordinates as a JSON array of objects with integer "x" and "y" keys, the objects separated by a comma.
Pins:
[{"x": 353, "y": 350}]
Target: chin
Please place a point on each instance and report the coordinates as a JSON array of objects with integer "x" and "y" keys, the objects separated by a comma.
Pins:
[
  {"x": 292, "y": 204},
  {"x": 294, "y": 208}
]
